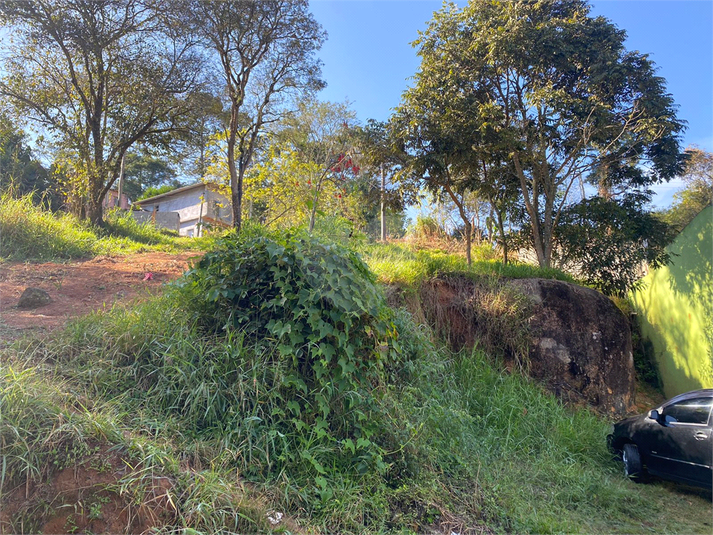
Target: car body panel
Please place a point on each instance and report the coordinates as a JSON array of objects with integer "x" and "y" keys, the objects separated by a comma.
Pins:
[{"x": 679, "y": 444}]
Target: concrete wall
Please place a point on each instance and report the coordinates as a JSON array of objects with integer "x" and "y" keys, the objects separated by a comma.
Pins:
[
  {"x": 218, "y": 207},
  {"x": 675, "y": 309},
  {"x": 167, "y": 220}
]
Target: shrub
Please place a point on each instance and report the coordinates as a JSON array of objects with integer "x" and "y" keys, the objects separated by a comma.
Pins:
[{"x": 317, "y": 308}]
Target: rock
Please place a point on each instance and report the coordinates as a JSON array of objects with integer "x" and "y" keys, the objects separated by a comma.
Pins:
[
  {"x": 581, "y": 344},
  {"x": 33, "y": 298},
  {"x": 575, "y": 339}
]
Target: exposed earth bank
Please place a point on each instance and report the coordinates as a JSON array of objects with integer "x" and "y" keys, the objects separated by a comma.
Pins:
[{"x": 78, "y": 288}]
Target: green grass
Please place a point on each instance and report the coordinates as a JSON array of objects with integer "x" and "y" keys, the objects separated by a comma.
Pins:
[
  {"x": 464, "y": 444},
  {"x": 30, "y": 233},
  {"x": 407, "y": 266}
]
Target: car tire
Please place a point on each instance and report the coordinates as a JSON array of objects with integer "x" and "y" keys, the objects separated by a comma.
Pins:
[{"x": 632, "y": 462}]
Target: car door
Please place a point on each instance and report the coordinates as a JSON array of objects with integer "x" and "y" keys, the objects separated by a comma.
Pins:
[{"x": 682, "y": 447}]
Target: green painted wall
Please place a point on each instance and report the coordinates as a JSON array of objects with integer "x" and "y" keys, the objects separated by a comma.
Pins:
[{"x": 675, "y": 309}]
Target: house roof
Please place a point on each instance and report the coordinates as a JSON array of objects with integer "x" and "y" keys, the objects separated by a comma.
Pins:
[{"x": 171, "y": 193}]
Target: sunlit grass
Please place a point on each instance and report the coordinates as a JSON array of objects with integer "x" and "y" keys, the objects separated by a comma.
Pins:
[
  {"x": 28, "y": 232},
  {"x": 406, "y": 265}
]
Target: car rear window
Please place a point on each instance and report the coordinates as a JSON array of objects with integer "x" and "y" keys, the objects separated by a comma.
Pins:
[{"x": 690, "y": 411}]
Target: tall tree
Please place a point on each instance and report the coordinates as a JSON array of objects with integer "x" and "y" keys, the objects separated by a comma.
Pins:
[
  {"x": 321, "y": 136},
  {"x": 20, "y": 172},
  {"x": 558, "y": 94},
  {"x": 265, "y": 53},
  {"x": 381, "y": 157},
  {"x": 143, "y": 171},
  {"x": 697, "y": 192},
  {"x": 97, "y": 76}
]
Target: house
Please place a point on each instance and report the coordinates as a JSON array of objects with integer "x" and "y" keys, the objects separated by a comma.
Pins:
[
  {"x": 199, "y": 206},
  {"x": 674, "y": 308},
  {"x": 111, "y": 200}
]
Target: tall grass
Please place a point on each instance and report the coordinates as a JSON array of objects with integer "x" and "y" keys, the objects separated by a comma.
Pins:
[
  {"x": 408, "y": 266},
  {"x": 29, "y": 232},
  {"x": 466, "y": 444}
]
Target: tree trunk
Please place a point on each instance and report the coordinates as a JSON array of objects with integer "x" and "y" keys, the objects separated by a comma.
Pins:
[
  {"x": 468, "y": 233},
  {"x": 313, "y": 213},
  {"x": 236, "y": 186},
  {"x": 532, "y": 205},
  {"x": 501, "y": 228},
  {"x": 94, "y": 211},
  {"x": 464, "y": 218}
]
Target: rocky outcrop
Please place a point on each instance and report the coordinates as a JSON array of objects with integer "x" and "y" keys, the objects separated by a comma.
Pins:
[
  {"x": 572, "y": 338},
  {"x": 33, "y": 298},
  {"x": 580, "y": 344}
]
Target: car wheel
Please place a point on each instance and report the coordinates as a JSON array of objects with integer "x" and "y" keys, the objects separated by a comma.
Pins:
[{"x": 632, "y": 462}]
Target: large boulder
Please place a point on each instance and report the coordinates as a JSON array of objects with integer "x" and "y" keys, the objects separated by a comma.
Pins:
[
  {"x": 581, "y": 344},
  {"x": 572, "y": 338}
]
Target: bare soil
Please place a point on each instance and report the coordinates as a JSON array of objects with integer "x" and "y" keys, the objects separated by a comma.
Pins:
[
  {"x": 77, "y": 288},
  {"x": 100, "y": 495}
]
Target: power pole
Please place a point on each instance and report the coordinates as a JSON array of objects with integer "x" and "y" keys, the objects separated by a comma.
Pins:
[
  {"x": 383, "y": 204},
  {"x": 121, "y": 182}
]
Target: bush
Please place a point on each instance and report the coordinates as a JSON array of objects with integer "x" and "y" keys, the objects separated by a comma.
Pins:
[{"x": 316, "y": 309}]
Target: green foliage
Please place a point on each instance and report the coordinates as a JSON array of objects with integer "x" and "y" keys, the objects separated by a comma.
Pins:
[
  {"x": 529, "y": 94},
  {"x": 20, "y": 172},
  {"x": 319, "y": 311},
  {"x": 448, "y": 440},
  {"x": 146, "y": 176},
  {"x": 141, "y": 96},
  {"x": 698, "y": 192},
  {"x": 607, "y": 241},
  {"x": 152, "y": 191}
]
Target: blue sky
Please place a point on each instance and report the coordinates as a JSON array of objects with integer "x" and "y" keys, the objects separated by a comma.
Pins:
[{"x": 368, "y": 58}]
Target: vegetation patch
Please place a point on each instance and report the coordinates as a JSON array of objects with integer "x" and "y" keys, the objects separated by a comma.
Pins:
[
  {"x": 249, "y": 425},
  {"x": 29, "y": 232},
  {"x": 409, "y": 266}
]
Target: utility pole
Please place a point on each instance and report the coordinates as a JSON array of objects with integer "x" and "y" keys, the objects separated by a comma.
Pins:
[
  {"x": 383, "y": 204},
  {"x": 121, "y": 182}
]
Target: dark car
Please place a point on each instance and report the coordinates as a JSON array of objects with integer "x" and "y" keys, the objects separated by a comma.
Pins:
[{"x": 672, "y": 441}]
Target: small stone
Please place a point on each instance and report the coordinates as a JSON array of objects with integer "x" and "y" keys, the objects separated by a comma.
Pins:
[{"x": 33, "y": 298}]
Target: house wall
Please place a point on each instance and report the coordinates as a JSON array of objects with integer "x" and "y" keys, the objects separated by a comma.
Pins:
[
  {"x": 675, "y": 309},
  {"x": 218, "y": 207},
  {"x": 188, "y": 206},
  {"x": 167, "y": 220}
]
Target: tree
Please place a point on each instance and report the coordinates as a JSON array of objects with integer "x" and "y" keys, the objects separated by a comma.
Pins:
[
  {"x": 265, "y": 53},
  {"x": 142, "y": 172},
  {"x": 555, "y": 92},
  {"x": 304, "y": 167},
  {"x": 698, "y": 190},
  {"x": 20, "y": 172},
  {"x": 438, "y": 133},
  {"x": 97, "y": 76},
  {"x": 607, "y": 242},
  {"x": 381, "y": 158},
  {"x": 322, "y": 137}
]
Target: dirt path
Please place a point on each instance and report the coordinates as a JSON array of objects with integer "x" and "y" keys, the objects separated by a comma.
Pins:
[{"x": 77, "y": 288}]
